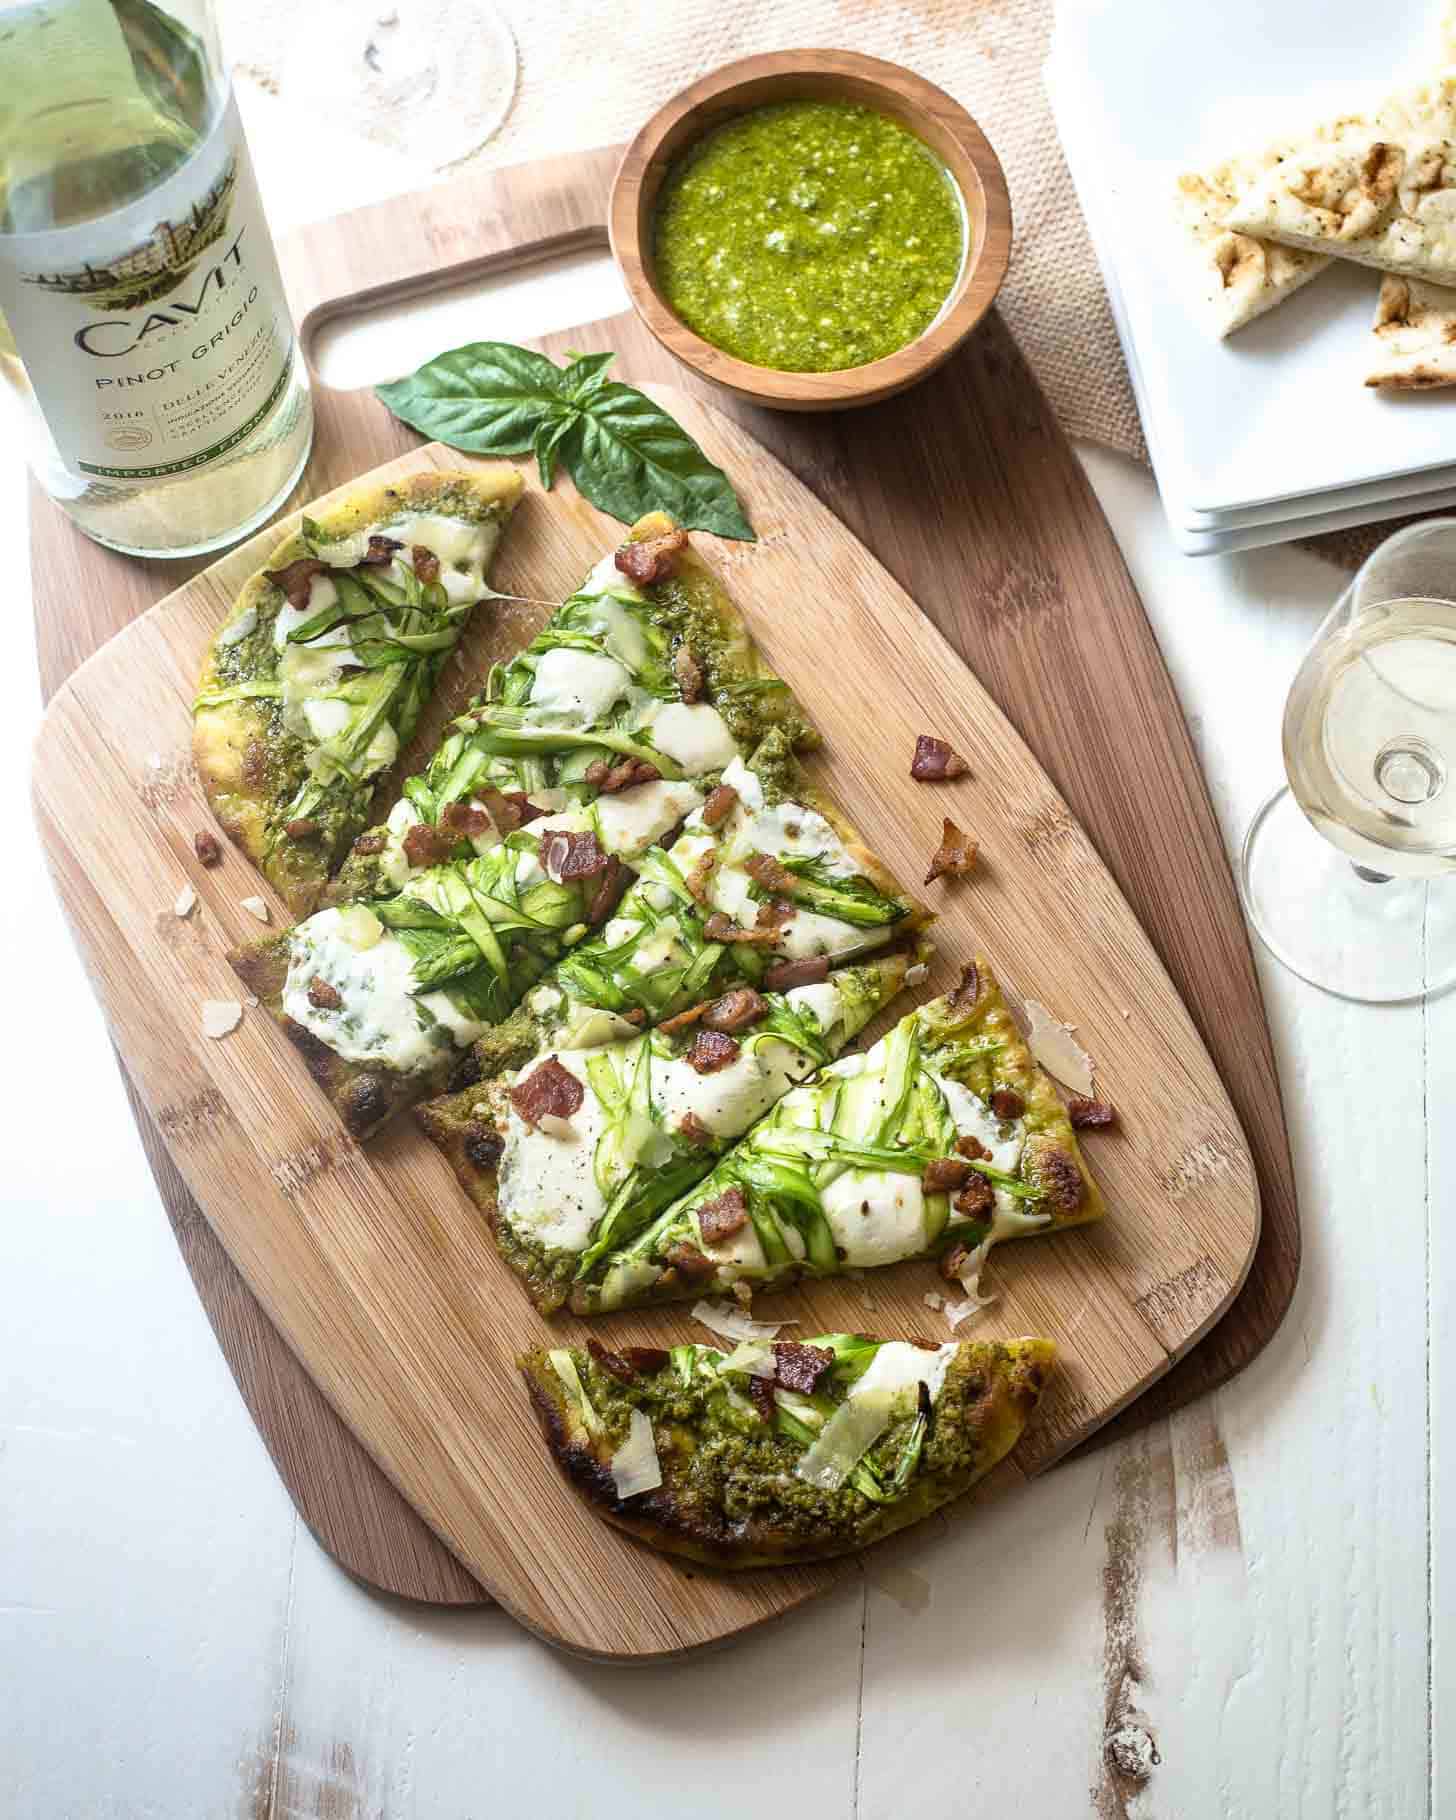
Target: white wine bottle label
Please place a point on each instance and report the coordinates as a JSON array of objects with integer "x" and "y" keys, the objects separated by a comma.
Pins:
[{"x": 157, "y": 337}]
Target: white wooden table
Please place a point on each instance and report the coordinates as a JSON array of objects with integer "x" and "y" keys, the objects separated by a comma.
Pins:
[{"x": 1245, "y": 1612}]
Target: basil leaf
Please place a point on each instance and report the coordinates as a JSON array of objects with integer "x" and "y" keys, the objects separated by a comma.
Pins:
[
  {"x": 584, "y": 375},
  {"x": 629, "y": 457},
  {"x": 488, "y": 398},
  {"x": 547, "y": 443}
]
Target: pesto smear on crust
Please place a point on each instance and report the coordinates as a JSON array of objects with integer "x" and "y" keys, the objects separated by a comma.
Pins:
[{"x": 809, "y": 236}]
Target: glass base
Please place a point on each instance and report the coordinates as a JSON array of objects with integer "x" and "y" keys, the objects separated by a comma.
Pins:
[{"x": 1379, "y": 942}]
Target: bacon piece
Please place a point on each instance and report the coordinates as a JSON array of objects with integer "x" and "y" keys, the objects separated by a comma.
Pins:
[
  {"x": 945, "y": 1172},
  {"x": 807, "y": 972},
  {"x": 761, "y": 1395},
  {"x": 464, "y": 819},
  {"x": 973, "y": 1148},
  {"x": 518, "y": 799},
  {"x": 1090, "y": 1115},
  {"x": 978, "y": 1197},
  {"x": 688, "y": 1261},
  {"x": 720, "y": 927},
  {"x": 610, "y": 778},
  {"x": 689, "y": 674},
  {"x": 765, "y": 870},
  {"x": 956, "y": 854},
  {"x": 694, "y": 1130},
  {"x": 296, "y": 580},
  {"x": 696, "y": 881},
  {"x": 568, "y": 856},
  {"x": 484, "y": 1146},
  {"x": 380, "y": 552},
  {"x": 426, "y": 564},
  {"x": 547, "y": 1091},
  {"x": 611, "y": 1362},
  {"x": 608, "y": 893},
  {"x": 711, "y": 1051},
  {"x": 1007, "y": 1104},
  {"x": 635, "y": 1016},
  {"x": 322, "y": 996},
  {"x": 935, "y": 760},
  {"x": 645, "y": 1358},
  {"x": 963, "y": 996},
  {"x": 719, "y": 1219},
  {"x": 371, "y": 843},
  {"x": 425, "y": 845},
  {"x": 800, "y": 1367},
  {"x": 302, "y": 827},
  {"x": 682, "y": 1019},
  {"x": 207, "y": 847},
  {"x": 953, "y": 1262},
  {"x": 719, "y": 804},
  {"x": 652, "y": 560},
  {"x": 775, "y": 913},
  {"x": 736, "y": 1010}
]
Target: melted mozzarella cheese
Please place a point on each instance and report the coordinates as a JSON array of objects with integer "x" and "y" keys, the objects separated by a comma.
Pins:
[
  {"x": 618, "y": 629},
  {"x": 823, "y": 999},
  {"x": 660, "y": 949},
  {"x": 326, "y": 716},
  {"x": 607, "y": 578},
  {"x": 807, "y": 935},
  {"x": 791, "y": 830},
  {"x": 898, "y": 1366},
  {"x": 629, "y": 821},
  {"x": 462, "y": 548},
  {"x": 695, "y": 735},
  {"x": 394, "y": 867},
  {"x": 877, "y": 1217},
  {"x": 322, "y": 594},
  {"x": 576, "y": 688},
  {"x": 379, "y": 1020},
  {"x": 547, "y": 1183},
  {"x": 974, "y": 1118},
  {"x": 242, "y": 627}
]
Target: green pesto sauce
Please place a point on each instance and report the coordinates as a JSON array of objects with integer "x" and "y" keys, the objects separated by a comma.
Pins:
[{"x": 809, "y": 236}]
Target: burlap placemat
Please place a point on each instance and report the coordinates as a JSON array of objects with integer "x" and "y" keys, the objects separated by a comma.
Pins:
[{"x": 590, "y": 71}]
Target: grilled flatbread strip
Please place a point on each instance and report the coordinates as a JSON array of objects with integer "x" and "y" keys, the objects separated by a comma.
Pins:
[
  {"x": 319, "y": 675},
  {"x": 1415, "y": 336},
  {"x": 1235, "y": 278},
  {"x": 728, "y": 1460}
]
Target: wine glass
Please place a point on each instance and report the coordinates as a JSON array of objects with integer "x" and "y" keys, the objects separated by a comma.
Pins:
[{"x": 1348, "y": 874}]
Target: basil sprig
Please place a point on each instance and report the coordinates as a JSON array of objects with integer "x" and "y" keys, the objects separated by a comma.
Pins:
[{"x": 624, "y": 452}]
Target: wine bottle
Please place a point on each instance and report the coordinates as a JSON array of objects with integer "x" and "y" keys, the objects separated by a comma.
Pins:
[{"x": 144, "y": 336}]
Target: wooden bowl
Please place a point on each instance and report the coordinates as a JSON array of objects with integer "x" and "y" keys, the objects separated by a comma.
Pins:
[{"x": 927, "y": 111}]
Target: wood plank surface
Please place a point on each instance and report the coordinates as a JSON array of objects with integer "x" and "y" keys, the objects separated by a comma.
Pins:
[
  {"x": 377, "y": 1271},
  {"x": 982, "y": 511}
]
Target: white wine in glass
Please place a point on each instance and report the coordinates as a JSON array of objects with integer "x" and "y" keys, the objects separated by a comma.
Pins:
[{"x": 1349, "y": 874}]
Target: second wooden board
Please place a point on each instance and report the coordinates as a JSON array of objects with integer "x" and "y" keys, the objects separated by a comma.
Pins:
[{"x": 375, "y": 1268}]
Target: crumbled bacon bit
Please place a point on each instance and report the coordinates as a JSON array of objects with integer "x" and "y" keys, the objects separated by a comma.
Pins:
[
  {"x": 296, "y": 579},
  {"x": 800, "y": 1367},
  {"x": 711, "y": 1051},
  {"x": 371, "y": 843},
  {"x": 978, "y": 1197},
  {"x": 322, "y": 996},
  {"x": 688, "y": 1261},
  {"x": 207, "y": 847},
  {"x": 464, "y": 819},
  {"x": 302, "y": 827},
  {"x": 719, "y": 1219},
  {"x": 483, "y": 1146},
  {"x": 962, "y": 997},
  {"x": 761, "y": 1395},
  {"x": 682, "y": 1019},
  {"x": 775, "y": 913},
  {"x": 935, "y": 760},
  {"x": 548, "y": 1091},
  {"x": 652, "y": 560},
  {"x": 645, "y": 1358},
  {"x": 426, "y": 845},
  {"x": 504, "y": 811},
  {"x": 566, "y": 856},
  {"x": 956, "y": 854},
  {"x": 426, "y": 564},
  {"x": 953, "y": 1262},
  {"x": 973, "y": 1148},
  {"x": 719, "y": 804},
  {"x": 765, "y": 870},
  {"x": 524, "y": 807},
  {"x": 635, "y": 1016},
  {"x": 689, "y": 674},
  {"x": 1006, "y": 1103},
  {"x": 380, "y": 552},
  {"x": 784, "y": 975},
  {"x": 611, "y": 1362},
  {"x": 696, "y": 881},
  {"x": 945, "y": 1172},
  {"x": 1090, "y": 1115},
  {"x": 694, "y": 1130},
  {"x": 720, "y": 927},
  {"x": 608, "y": 893},
  {"x": 736, "y": 1010},
  {"x": 608, "y": 779}
]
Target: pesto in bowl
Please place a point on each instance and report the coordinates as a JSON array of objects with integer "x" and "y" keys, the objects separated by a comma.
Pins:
[{"x": 809, "y": 236}]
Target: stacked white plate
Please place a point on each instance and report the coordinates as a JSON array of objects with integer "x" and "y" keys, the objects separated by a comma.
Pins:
[{"x": 1270, "y": 434}]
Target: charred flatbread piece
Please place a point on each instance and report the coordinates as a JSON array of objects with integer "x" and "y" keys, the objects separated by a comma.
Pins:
[
  {"x": 1415, "y": 336},
  {"x": 939, "y": 1142},
  {"x": 321, "y": 672},
  {"x": 728, "y": 1459}
]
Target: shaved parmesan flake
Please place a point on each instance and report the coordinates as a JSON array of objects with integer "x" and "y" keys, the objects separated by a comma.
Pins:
[
  {"x": 932, "y": 1299},
  {"x": 255, "y": 906},
  {"x": 753, "y": 1356},
  {"x": 917, "y": 975},
  {"x": 251, "y": 1001},
  {"x": 969, "y": 1278},
  {"x": 564, "y": 1366},
  {"x": 186, "y": 901},
  {"x": 844, "y": 1440},
  {"x": 958, "y": 1312},
  {"x": 154, "y": 761},
  {"x": 220, "y": 1015},
  {"x": 1057, "y": 1050},
  {"x": 719, "y": 1318},
  {"x": 635, "y": 1465}
]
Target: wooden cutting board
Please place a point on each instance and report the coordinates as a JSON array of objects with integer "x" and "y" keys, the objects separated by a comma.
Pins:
[
  {"x": 969, "y": 493},
  {"x": 377, "y": 1270}
]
